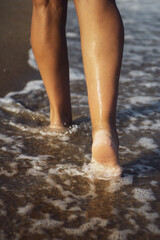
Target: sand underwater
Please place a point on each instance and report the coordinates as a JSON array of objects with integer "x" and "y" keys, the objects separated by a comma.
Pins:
[{"x": 46, "y": 190}]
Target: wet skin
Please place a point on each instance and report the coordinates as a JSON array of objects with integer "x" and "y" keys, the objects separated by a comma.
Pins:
[{"x": 102, "y": 36}]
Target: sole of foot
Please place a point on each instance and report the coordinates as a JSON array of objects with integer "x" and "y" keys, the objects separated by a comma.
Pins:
[{"x": 105, "y": 163}]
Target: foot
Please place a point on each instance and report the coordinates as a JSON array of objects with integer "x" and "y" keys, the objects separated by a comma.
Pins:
[
  {"x": 104, "y": 163},
  {"x": 58, "y": 128},
  {"x": 59, "y": 123}
]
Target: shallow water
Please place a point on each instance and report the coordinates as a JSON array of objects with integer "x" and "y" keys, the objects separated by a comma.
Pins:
[{"x": 46, "y": 191}]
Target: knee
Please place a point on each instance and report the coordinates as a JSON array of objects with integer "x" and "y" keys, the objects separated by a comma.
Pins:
[
  {"x": 40, "y": 3},
  {"x": 102, "y": 1},
  {"x": 55, "y": 10},
  {"x": 96, "y": 3},
  {"x": 49, "y": 3}
]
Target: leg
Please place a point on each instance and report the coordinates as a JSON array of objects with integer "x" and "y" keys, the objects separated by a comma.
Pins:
[
  {"x": 102, "y": 33},
  {"x": 50, "y": 49}
]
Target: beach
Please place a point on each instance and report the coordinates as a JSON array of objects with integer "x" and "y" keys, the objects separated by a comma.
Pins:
[
  {"x": 15, "y": 21},
  {"x": 47, "y": 188}
]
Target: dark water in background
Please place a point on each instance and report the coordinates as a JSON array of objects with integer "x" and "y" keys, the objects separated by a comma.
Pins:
[{"x": 45, "y": 189}]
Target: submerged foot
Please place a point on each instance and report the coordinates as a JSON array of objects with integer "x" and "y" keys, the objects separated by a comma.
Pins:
[
  {"x": 58, "y": 128},
  {"x": 104, "y": 163},
  {"x": 60, "y": 122}
]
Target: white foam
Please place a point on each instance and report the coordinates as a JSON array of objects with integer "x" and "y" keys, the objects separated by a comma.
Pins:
[
  {"x": 86, "y": 171},
  {"x": 154, "y": 228},
  {"x": 142, "y": 169},
  {"x": 132, "y": 127},
  {"x": 36, "y": 162},
  {"x": 154, "y": 183},
  {"x": 124, "y": 149},
  {"x": 147, "y": 122},
  {"x": 4, "y": 188},
  {"x": 137, "y": 73},
  {"x": 25, "y": 210},
  {"x": 34, "y": 172},
  {"x": 46, "y": 223},
  {"x": 88, "y": 156},
  {"x": 11, "y": 105},
  {"x": 14, "y": 145},
  {"x": 75, "y": 209},
  {"x": 132, "y": 221},
  {"x": 98, "y": 171},
  {"x": 116, "y": 184},
  {"x": 153, "y": 68},
  {"x": 31, "y": 86},
  {"x": 68, "y": 194},
  {"x": 120, "y": 234},
  {"x": 72, "y": 35},
  {"x": 70, "y": 169},
  {"x": 81, "y": 99},
  {"x": 146, "y": 211},
  {"x": 8, "y": 173},
  {"x": 31, "y": 60},
  {"x": 151, "y": 125},
  {"x": 76, "y": 74},
  {"x": 143, "y": 195},
  {"x": 93, "y": 224},
  {"x": 6, "y": 139},
  {"x": 143, "y": 99},
  {"x": 43, "y": 132},
  {"x": 147, "y": 143},
  {"x": 3, "y": 212},
  {"x": 72, "y": 217},
  {"x": 125, "y": 80},
  {"x": 61, "y": 204},
  {"x": 129, "y": 37},
  {"x": 150, "y": 84}
]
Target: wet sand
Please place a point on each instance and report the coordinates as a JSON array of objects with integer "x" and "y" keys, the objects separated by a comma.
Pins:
[
  {"x": 47, "y": 190},
  {"x": 15, "y": 18}
]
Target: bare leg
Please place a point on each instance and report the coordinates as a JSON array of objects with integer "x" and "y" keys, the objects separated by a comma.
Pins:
[
  {"x": 49, "y": 46},
  {"x": 102, "y": 33}
]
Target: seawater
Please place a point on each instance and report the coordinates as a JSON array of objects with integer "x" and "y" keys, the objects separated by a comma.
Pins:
[{"x": 46, "y": 190}]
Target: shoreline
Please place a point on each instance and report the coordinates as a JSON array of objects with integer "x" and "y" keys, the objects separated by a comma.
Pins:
[
  {"x": 14, "y": 45},
  {"x": 15, "y": 23}
]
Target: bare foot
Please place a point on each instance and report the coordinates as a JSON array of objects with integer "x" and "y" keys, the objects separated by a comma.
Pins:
[
  {"x": 59, "y": 124},
  {"x": 104, "y": 163}
]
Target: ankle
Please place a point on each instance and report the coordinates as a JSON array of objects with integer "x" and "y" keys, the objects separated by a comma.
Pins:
[
  {"x": 110, "y": 129},
  {"x": 61, "y": 122},
  {"x": 107, "y": 131},
  {"x": 60, "y": 119}
]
